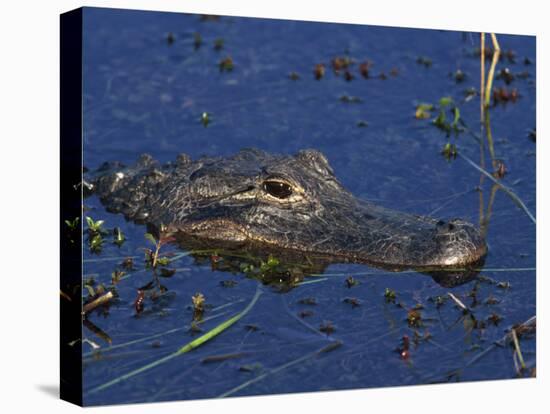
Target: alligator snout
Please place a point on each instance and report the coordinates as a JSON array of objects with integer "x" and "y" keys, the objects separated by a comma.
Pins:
[
  {"x": 461, "y": 243},
  {"x": 292, "y": 202}
]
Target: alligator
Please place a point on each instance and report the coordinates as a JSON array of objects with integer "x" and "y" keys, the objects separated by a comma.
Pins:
[{"x": 288, "y": 202}]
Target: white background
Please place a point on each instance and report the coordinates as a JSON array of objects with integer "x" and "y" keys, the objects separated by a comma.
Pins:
[{"x": 29, "y": 206}]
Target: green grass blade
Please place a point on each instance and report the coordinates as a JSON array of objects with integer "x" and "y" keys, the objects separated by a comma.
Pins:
[{"x": 184, "y": 349}]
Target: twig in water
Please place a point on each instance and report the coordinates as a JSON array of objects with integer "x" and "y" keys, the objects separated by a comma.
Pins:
[
  {"x": 482, "y": 82},
  {"x": 518, "y": 349},
  {"x": 103, "y": 299},
  {"x": 491, "y": 75},
  {"x": 502, "y": 186},
  {"x": 459, "y": 303}
]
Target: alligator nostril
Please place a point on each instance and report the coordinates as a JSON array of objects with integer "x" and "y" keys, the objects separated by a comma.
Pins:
[
  {"x": 440, "y": 223},
  {"x": 451, "y": 226}
]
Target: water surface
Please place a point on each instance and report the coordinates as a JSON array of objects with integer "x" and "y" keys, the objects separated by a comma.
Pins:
[{"x": 144, "y": 94}]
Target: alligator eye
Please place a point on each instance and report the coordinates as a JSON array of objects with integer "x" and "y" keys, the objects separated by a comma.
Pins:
[{"x": 277, "y": 189}]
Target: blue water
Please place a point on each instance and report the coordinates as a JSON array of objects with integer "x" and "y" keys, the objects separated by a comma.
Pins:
[{"x": 142, "y": 94}]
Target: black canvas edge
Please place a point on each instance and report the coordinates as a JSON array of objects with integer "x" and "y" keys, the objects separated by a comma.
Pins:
[{"x": 71, "y": 206}]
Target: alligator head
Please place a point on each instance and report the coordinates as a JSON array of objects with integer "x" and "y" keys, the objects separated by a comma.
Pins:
[{"x": 289, "y": 202}]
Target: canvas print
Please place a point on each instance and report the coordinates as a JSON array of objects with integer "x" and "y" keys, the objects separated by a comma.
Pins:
[{"x": 259, "y": 206}]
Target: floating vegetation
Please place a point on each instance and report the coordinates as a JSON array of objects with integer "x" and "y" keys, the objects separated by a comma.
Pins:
[
  {"x": 362, "y": 124},
  {"x": 470, "y": 93},
  {"x": 170, "y": 38},
  {"x": 165, "y": 272},
  {"x": 305, "y": 313},
  {"x": 73, "y": 229},
  {"x": 221, "y": 358},
  {"x": 390, "y": 295},
  {"x": 506, "y": 75},
  {"x": 504, "y": 285},
  {"x": 152, "y": 258},
  {"x": 205, "y": 119},
  {"x": 439, "y": 300},
  {"x": 272, "y": 271},
  {"x": 348, "y": 76},
  {"x": 532, "y": 134},
  {"x": 424, "y": 61},
  {"x": 404, "y": 348},
  {"x": 74, "y": 224},
  {"x": 442, "y": 122},
  {"x": 119, "y": 237},
  {"x": 354, "y": 302},
  {"x": 228, "y": 283},
  {"x": 489, "y": 52},
  {"x": 95, "y": 232},
  {"x": 218, "y": 44},
  {"x": 500, "y": 169},
  {"x": 116, "y": 275},
  {"x": 308, "y": 301},
  {"x": 423, "y": 111},
  {"x": 494, "y": 319},
  {"x": 139, "y": 301},
  {"x": 341, "y": 63},
  {"x": 199, "y": 302},
  {"x": 184, "y": 349},
  {"x": 449, "y": 151},
  {"x": 414, "y": 318},
  {"x": 95, "y": 227},
  {"x": 226, "y": 64},
  {"x": 491, "y": 300},
  {"x": 350, "y": 99},
  {"x": 364, "y": 69},
  {"x": 503, "y": 95},
  {"x": 128, "y": 263},
  {"x": 293, "y": 76},
  {"x": 257, "y": 367},
  {"x": 327, "y": 327},
  {"x": 459, "y": 76},
  {"x": 319, "y": 71},
  {"x": 351, "y": 281}
]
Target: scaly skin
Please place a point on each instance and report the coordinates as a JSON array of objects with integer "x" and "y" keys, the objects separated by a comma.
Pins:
[{"x": 288, "y": 202}]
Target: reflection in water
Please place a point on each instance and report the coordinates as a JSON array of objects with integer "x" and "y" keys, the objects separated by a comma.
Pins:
[{"x": 285, "y": 269}]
